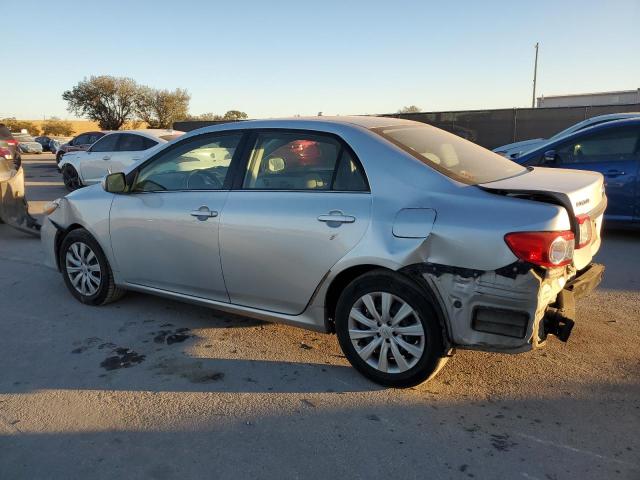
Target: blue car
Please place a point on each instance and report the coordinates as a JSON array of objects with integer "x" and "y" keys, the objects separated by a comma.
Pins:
[{"x": 612, "y": 149}]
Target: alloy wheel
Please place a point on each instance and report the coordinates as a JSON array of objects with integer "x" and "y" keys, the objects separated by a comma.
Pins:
[
  {"x": 83, "y": 268},
  {"x": 386, "y": 332},
  {"x": 70, "y": 178}
]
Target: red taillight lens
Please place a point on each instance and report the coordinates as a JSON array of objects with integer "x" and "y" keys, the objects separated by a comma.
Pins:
[
  {"x": 12, "y": 142},
  {"x": 5, "y": 152},
  {"x": 547, "y": 249},
  {"x": 584, "y": 222}
]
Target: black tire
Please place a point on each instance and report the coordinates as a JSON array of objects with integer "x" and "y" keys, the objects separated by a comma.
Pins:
[
  {"x": 107, "y": 291},
  {"x": 432, "y": 358},
  {"x": 71, "y": 178}
]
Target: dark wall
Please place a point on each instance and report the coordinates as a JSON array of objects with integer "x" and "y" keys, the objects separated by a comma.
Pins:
[
  {"x": 189, "y": 125},
  {"x": 493, "y": 128}
]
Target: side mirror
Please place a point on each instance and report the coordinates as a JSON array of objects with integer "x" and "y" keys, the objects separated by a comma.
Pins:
[
  {"x": 114, "y": 183},
  {"x": 550, "y": 156}
]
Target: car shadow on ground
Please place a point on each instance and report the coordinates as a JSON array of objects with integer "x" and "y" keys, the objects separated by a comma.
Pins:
[{"x": 298, "y": 436}]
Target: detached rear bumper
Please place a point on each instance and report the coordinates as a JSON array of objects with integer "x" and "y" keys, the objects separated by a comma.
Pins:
[{"x": 510, "y": 310}]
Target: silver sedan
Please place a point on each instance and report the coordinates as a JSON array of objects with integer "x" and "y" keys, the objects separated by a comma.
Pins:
[{"x": 406, "y": 241}]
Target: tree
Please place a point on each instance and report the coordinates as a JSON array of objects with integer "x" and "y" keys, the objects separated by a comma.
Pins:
[
  {"x": 410, "y": 109},
  {"x": 55, "y": 126},
  {"x": 235, "y": 115},
  {"x": 18, "y": 125},
  {"x": 110, "y": 101},
  {"x": 214, "y": 117},
  {"x": 160, "y": 108}
]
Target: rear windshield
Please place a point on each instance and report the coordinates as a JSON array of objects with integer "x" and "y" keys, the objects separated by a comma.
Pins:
[{"x": 451, "y": 155}]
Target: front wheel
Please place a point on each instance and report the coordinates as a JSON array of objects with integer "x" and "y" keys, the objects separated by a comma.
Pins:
[
  {"x": 71, "y": 178},
  {"x": 85, "y": 269},
  {"x": 389, "y": 330}
]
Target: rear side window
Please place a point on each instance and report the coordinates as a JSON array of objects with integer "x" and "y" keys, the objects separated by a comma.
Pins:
[
  {"x": 134, "y": 143},
  {"x": 81, "y": 140},
  {"x": 449, "y": 154},
  {"x": 106, "y": 144},
  {"x": 608, "y": 146},
  {"x": 301, "y": 161},
  {"x": 94, "y": 137}
]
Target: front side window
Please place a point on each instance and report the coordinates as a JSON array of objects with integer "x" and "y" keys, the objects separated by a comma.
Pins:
[
  {"x": 299, "y": 161},
  {"x": 611, "y": 145},
  {"x": 449, "y": 154},
  {"x": 200, "y": 163},
  {"x": 108, "y": 143}
]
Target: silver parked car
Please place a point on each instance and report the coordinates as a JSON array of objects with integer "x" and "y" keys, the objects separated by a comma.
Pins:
[{"x": 405, "y": 240}]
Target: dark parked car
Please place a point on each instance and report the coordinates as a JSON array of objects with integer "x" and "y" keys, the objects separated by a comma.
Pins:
[
  {"x": 80, "y": 142},
  {"x": 611, "y": 148},
  {"x": 10, "y": 144},
  {"x": 44, "y": 141}
]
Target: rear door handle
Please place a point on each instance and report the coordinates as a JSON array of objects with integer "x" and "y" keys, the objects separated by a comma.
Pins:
[
  {"x": 203, "y": 213},
  {"x": 337, "y": 217},
  {"x": 106, "y": 157}
]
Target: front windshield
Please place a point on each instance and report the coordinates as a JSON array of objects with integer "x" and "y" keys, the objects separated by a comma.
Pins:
[{"x": 451, "y": 155}]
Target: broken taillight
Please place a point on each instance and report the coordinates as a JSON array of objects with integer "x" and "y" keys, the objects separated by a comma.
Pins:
[
  {"x": 547, "y": 249},
  {"x": 586, "y": 230}
]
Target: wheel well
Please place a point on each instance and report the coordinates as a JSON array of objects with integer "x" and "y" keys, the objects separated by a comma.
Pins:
[
  {"x": 60, "y": 236},
  {"x": 338, "y": 285}
]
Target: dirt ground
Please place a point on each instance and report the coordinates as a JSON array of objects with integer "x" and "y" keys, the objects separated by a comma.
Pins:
[{"x": 151, "y": 388}]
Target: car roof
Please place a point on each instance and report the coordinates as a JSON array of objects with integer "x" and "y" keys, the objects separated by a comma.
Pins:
[
  {"x": 153, "y": 133},
  {"x": 625, "y": 122},
  {"x": 367, "y": 122}
]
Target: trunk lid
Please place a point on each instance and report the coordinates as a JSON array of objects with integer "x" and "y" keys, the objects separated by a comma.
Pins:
[{"x": 579, "y": 192}]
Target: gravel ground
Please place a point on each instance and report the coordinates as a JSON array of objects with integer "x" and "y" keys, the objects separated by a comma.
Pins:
[{"x": 151, "y": 388}]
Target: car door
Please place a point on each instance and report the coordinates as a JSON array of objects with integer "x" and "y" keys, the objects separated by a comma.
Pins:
[
  {"x": 614, "y": 153},
  {"x": 129, "y": 150},
  {"x": 302, "y": 203},
  {"x": 164, "y": 233},
  {"x": 94, "y": 163}
]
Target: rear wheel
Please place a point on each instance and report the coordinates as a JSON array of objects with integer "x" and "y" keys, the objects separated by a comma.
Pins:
[
  {"x": 86, "y": 271},
  {"x": 71, "y": 178},
  {"x": 389, "y": 330}
]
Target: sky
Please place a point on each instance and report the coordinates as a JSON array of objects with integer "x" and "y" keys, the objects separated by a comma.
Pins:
[{"x": 281, "y": 58}]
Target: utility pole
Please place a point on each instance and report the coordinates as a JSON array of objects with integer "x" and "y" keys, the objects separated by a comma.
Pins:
[{"x": 535, "y": 75}]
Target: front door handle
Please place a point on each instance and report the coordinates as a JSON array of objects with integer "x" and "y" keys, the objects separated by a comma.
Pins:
[
  {"x": 106, "y": 157},
  {"x": 336, "y": 216},
  {"x": 614, "y": 173},
  {"x": 203, "y": 213}
]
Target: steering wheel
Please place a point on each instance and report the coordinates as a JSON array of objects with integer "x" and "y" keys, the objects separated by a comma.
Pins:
[{"x": 207, "y": 180}]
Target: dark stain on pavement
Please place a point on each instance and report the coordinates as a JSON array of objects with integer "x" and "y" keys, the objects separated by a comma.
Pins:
[
  {"x": 124, "y": 358},
  {"x": 178, "y": 335}
]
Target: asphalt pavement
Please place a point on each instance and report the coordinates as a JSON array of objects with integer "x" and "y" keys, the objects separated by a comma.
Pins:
[{"x": 152, "y": 388}]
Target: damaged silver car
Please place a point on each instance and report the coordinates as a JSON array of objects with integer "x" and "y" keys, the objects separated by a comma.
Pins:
[{"x": 406, "y": 241}]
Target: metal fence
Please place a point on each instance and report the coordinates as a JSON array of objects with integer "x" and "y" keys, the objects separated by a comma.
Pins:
[{"x": 492, "y": 128}]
